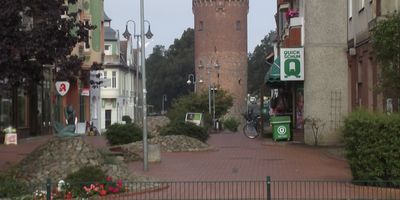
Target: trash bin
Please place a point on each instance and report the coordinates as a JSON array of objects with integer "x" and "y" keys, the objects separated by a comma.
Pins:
[{"x": 280, "y": 127}]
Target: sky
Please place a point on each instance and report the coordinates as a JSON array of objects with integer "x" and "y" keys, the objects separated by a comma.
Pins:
[{"x": 169, "y": 18}]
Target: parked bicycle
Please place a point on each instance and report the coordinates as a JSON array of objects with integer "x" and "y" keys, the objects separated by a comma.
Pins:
[{"x": 252, "y": 128}]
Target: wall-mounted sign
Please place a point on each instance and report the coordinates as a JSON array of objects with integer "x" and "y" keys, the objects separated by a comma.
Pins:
[
  {"x": 292, "y": 64},
  {"x": 62, "y": 87},
  {"x": 85, "y": 92}
]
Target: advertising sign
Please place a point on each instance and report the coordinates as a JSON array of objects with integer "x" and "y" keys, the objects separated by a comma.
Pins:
[
  {"x": 195, "y": 118},
  {"x": 85, "y": 92},
  {"x": 62, "y": 87},
  {"x": 292, "y": 64}
]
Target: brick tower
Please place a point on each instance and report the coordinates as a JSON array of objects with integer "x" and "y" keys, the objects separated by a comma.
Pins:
[{"x": 221, "y": 47}]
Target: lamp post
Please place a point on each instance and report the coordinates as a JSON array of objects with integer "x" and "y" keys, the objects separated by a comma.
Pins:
[
  {"x": 127, "y": 35},
  {"x": 148, "y": 35},
  {"x": 192, "y": 79}
]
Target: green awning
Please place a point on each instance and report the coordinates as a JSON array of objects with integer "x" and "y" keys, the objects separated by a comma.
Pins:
[{"x": 274, "y": 73}]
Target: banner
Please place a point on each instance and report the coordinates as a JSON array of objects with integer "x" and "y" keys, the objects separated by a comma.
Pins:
[{"x": 292, "y": 64}]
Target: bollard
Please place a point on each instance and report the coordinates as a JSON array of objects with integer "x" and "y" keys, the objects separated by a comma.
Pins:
[
  {"x": 269, "y": 188},
  {"x": 48, "y": 189}
]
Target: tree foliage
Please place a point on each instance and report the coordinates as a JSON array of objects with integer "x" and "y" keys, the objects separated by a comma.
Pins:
[
  {"x": 35, "y": 33},
  {"x": 198, "y": 102},
  {"x": 257, "y": 65},
  {"x": 386, "y": 43},
  {"x": 168, "y": 70}
]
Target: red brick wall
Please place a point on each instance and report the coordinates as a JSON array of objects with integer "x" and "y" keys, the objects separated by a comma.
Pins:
[
  {"x": 294, "y": 39},
  {"x": 220, "y": 41}
]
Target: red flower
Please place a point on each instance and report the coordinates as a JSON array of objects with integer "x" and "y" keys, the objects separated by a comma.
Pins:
[
  {"x": 68, "y": 196},
  {"x": 109, "y": 179},
  {"x": 103, "y": 192},
  {"x": 119, "y": 183}
]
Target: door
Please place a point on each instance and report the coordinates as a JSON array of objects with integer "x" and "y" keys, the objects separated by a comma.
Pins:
[{"x": 108, "y": 118}]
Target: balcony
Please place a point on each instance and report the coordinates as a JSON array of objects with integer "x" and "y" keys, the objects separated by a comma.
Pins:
[
  {"x": 296, "y": 21},
  {"x": 111, "y": 59}
]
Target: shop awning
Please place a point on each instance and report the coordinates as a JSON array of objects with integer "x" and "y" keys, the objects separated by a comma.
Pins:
[{"x": 274, "y": 73}]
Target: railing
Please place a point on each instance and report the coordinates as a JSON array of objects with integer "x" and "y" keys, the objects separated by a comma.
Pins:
[{"x": 244, "y": 190}]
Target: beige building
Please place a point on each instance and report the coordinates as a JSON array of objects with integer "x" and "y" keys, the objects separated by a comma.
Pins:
[{"x": 318, "y": 28}]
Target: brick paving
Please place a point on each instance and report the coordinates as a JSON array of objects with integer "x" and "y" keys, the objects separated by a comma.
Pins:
[{"x": 234, "y": 157}]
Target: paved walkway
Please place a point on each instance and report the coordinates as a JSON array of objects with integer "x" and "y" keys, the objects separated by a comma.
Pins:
[
  {"x": 238, "y": 158},
  {"x": 234, "y": 157}
]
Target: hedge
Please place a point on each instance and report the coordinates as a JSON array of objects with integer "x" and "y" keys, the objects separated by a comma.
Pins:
[{"x": 372, "y": 144}]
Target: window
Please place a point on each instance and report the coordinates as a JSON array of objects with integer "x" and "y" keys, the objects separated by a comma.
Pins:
[
  {"x": 238, "y": 25},
  {"x": 87, "y": 39},
  {"x": 107, "y": 49},
  {"x": 350, "y": 8},
  {"x": 114, "y": 79},
  {"x": 105, "y": 78},
  {"x": 361, "y": 5},
  {"x": 201, "y": 25}
]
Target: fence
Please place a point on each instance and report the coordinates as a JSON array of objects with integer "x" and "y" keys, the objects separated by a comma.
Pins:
[{"x": 255, "y": 190}]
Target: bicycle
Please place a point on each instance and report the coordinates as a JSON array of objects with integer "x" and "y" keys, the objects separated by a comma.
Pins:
[{"x": 252, "y": 128}]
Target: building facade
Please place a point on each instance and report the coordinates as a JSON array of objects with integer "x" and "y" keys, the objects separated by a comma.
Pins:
[
  {"x": 318, "y": 28},
  {"x": 118, "y": 96},
  {"x": 221, "y": 48},
  {"x": 363, "y": 16}
]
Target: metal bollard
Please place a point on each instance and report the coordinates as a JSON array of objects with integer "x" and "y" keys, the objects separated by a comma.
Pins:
[
  {"x": 48, "y": 189},
  {"x": 269, "y": 188}
]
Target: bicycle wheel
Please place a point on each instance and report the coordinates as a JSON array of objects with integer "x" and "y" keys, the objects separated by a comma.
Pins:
[{"x": 250, "y": 131}]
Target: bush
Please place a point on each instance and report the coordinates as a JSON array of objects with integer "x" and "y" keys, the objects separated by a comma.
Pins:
[
  {"x": 118, "y": 134},
  {"x": 85, "y": 176},
  {"x": 372, "y": 144},
  {"x": 127, "y": 119},
  {"x": 11, "y": 187},
  {"x": 231, "y": 124},
  {"x": 198, "y": 102},
  {"x": 188, "y": 129}
]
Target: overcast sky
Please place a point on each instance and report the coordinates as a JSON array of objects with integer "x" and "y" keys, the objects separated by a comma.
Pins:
[{"x": 169, "y": 18}]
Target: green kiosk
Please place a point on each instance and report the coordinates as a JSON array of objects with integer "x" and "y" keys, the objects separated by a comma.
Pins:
[{"x": 280, "y": 128}]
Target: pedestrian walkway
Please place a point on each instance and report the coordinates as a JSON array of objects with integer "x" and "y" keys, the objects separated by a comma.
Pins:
[{"x": 235, "y": 157}]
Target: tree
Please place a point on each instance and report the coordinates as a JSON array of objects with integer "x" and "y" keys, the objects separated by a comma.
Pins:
[
  {"x": 167, "y": 70},
  {"x": 386, "y": 43},
  {"x": 35, "y": 33},
  {"x": 257, "y": 65}
]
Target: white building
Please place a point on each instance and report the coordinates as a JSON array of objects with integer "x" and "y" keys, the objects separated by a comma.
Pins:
[{"x": 120, "y": 81}]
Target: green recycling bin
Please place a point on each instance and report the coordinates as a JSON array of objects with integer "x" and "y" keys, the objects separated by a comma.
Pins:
[{"x": 280, "y": 127}]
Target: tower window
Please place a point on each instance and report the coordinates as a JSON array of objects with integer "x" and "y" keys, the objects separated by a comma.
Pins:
[
  {"x": 201, "y": 26},
  {"x": 238, "y": 25}
]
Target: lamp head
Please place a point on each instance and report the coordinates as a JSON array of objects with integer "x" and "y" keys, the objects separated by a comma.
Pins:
[
  {"x": 149, "y": 34},
  {"x": 126, "y": 33},
  {"x": 189, "y": 82}
]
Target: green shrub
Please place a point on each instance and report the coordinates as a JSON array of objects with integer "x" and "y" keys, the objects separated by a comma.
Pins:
[
  {"x": 11, "y": 187},
  {"x": 198, "y": 102},
  {"x": 372, "y": 144},
  {"x": 127, "y": 119},
  {"x": 188, "y": 129},
  {"x": 231, "y": 124},
  {"x": 83, "y": 177},
  {"x": 118, "y": 134}
]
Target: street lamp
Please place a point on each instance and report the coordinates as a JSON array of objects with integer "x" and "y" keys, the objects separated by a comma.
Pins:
[
  {"x": 128, "y": 35},
  {"x": 142, "y": 36},
  {"x": 148, "y": 35},
  {"x": 191, "y": 79}
]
